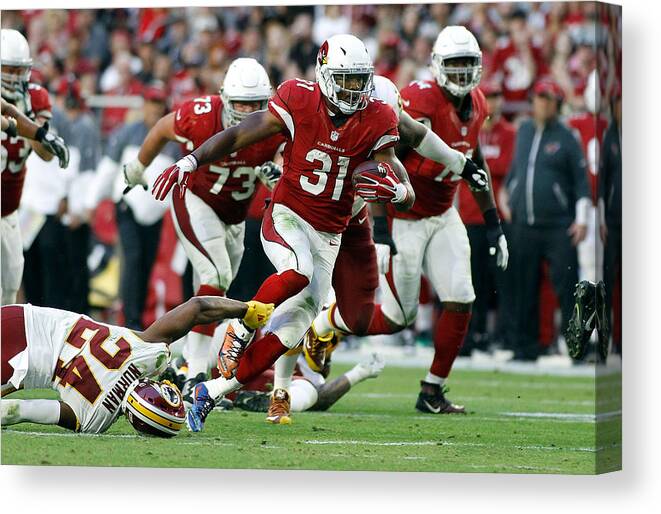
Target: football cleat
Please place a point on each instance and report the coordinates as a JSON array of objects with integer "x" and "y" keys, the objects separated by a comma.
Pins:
[
  {"x": 253, "y": 401},
  {"x": 202, "y": 405},
  {"x": 432, "y": 400},
  {"x": 583, "y": 320},
  {"x": 237, "y": 338},
  {"x": 279, "y": 409},
  {"x": 189, "y": 387},
  {"x": 315, "y": 348},
  {"x": 603, "y": 325}
]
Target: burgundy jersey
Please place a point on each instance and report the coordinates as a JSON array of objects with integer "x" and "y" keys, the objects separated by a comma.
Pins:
[
  {"x": 434, "y": 187},
  {"x": 16, "y": 150},
  {"x": 590, "y": 128},
  {"x": 227, "y": 185},
  {"x": 497, "y": 147},
  {"x": 319, "y": 157}
]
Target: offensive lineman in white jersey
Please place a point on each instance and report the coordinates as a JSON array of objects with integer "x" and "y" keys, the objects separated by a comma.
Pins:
[{"x": 93, "y": 365}]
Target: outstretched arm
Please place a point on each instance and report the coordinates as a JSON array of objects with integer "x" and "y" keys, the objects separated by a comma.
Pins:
[
  {"x": 255, "y": 127},
  {"x": 201, "y": 310},
  {"x": 156, "y": 139}
]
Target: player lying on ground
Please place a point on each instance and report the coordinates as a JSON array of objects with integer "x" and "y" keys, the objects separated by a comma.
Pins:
[
  {"x": 93, "y": 365},
  {"x": 210, "y": 217},
  {"x": 332, "y": 126},
  {"x": 431, "y": 238},
  {"x": 309, "y": 389},
  {"x": 366, "y": 251},
  {"x": 15, "y": 123}
]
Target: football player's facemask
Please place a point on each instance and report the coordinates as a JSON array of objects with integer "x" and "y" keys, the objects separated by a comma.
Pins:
[
  {"x": 345, "y": 73},
  {"x": 16, "y": 64},
  {"x": 246, "y": 89},
  {"x": 456, "y": 61},
  {"x": 154, "y": 408}
]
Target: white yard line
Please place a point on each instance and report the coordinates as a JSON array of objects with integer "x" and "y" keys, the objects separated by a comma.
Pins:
[{"x": 602, "y": 416}]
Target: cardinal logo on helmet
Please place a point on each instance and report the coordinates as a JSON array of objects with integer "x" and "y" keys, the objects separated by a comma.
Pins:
[{"x": 323, "y": 54}]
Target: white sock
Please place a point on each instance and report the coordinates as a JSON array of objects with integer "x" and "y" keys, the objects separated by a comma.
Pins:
[
  {"x": 322, "y": 325},
  {"x": 221, "y": 386},
  {"x": 197, "y": 350},
  {"x": 433, "y": 379},
  {"x": 284, "y": 368},
  {"x": 303, "y": 395},
  {"x": 338, "y": 322},
  {"x": 357, "y": 374},
  {"x": 45, "y": 412}
]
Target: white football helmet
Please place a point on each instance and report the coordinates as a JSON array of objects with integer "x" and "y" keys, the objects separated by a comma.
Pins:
[
  {"x": 456, "y": 42},
  {"x": 385, "y": 90},
  {"x": 245, "y": 81},
  {"x": 15, "y": 52},
  {"x": 345, "y": 73}
]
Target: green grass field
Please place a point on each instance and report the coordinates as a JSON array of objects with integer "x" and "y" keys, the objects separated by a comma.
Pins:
[{"x": 516, "y": 424}]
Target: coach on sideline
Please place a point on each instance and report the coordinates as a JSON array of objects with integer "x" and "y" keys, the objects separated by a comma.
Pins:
[{"x": 548, "y": 197}]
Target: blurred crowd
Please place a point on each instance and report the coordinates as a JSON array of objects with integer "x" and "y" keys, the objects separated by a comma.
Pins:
[{"x": 87, "y": 57}]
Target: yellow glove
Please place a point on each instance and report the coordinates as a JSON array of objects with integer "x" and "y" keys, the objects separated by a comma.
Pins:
[{"x": 258, "y": 314}]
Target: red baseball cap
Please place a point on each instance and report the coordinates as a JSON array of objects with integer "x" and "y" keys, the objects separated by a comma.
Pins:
[
  {"x": 546, "y": 86},
  {"x": 155, "y": 94}
]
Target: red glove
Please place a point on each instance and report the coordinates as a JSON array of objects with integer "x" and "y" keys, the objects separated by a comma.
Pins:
[
  {"x": 178, "y": 173},
  {"x": 374, "y": 188}
]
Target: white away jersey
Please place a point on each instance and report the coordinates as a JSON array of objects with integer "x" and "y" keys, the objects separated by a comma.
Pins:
[{"x": 90, "y": 364}]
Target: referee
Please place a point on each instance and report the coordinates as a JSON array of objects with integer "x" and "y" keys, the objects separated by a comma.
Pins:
[{"x": 549, "y": 197}]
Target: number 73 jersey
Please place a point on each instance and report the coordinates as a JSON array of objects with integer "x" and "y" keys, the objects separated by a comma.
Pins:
[
  {"x": 319, "y": 157},
  {"x": 227, "y": 185}
]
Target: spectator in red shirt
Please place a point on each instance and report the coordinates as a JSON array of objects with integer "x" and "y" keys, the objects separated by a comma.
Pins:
[
  {"x": 517, "y": 63},
  {"x": 491, "y": 285}
]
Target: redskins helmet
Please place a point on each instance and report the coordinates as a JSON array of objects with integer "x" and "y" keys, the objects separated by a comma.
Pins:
[
  {"x": 245, "y": 81},
  {"x": 456, "y": 43},
  {"x": 15, "y": 53},
  {"x": 154, "y": 408},
  {"x": 345, "y": 72}
]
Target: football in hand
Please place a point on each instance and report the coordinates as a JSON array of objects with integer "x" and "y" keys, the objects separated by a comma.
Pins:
[{"x": 369, "y": 167}]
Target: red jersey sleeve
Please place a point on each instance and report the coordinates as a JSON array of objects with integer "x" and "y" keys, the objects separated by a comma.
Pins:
[
  {"x": 40, "y": 99},
  {"x": 197, "y": 120},
  {"x": 385, "y": 128},
  {"x": 289, "y": 98}
]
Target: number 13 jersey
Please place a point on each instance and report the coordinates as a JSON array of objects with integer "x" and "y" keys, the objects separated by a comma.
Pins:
[{"x": 319, "y": 158}]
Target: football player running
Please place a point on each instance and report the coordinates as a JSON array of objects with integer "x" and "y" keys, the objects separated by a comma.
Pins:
[
  {"x": 210, "y": 215},
  {"x": 365, "y": 252},
  {"x": 430, "y": 238},
  {"x": 33, "y": 101},
  {"x": 332, "y": 126},
  {"x": 96, "y": 367}
]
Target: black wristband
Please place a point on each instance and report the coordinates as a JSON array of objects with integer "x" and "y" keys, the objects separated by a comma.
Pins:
[
  {"x": 12, "y": 129},
  {"x": 491, "y": 219},
  {"x": 41, "y": 134}
]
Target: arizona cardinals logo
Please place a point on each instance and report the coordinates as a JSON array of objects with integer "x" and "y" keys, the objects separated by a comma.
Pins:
[{"x": 323, "y": 54}]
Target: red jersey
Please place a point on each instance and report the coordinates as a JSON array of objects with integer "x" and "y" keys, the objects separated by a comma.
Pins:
[
  {"x": 16, "y": 150},
  {"x": 590, "y": 128},
  {"x": 319, "y": 157},
  {"x": 497, "y": 147},
  {"x": 516, "y": 80},
  {"x": 434, "y": 187},
  {"x": 227, "y": 185}
]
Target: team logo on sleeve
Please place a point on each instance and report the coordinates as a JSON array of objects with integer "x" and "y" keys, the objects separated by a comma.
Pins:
[{"x": 322, "y": 57}]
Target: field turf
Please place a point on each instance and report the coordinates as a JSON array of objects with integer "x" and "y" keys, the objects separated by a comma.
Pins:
[{"x": 516, "y": 424}]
